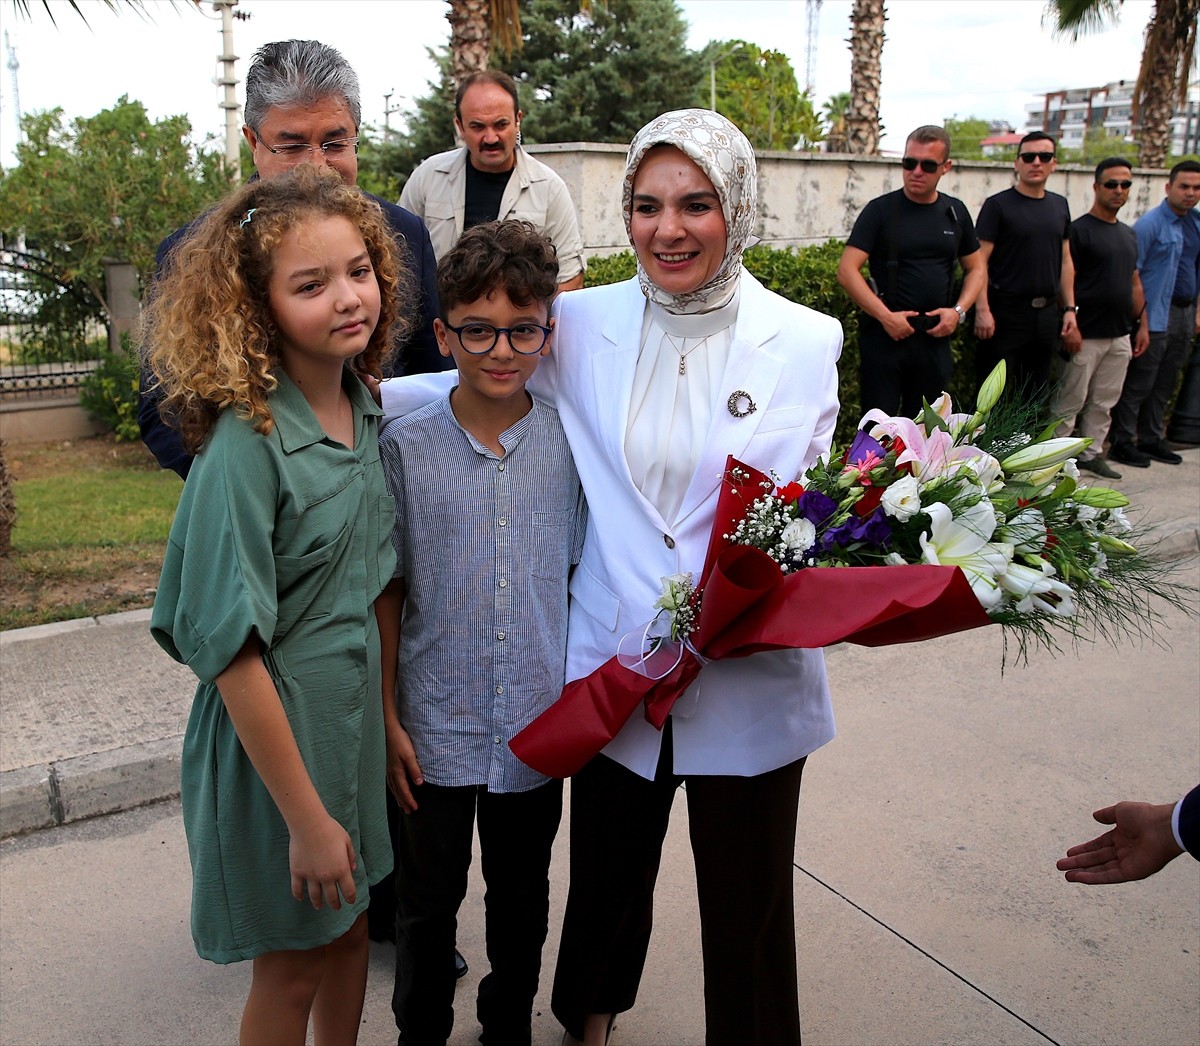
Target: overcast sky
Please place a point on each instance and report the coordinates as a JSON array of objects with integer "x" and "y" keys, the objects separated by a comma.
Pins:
[{"x": 942, "y": 58}]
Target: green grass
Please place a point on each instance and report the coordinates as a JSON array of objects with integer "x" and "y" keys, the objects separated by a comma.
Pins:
[
  {"x": 96, "y": 509},
  {"x": 92, "y": 523}
]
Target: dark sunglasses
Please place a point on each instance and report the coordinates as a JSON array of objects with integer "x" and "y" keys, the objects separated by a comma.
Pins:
[
  {"x": 910, "y": 163},
  {"x": 1030, "y": 157},
  {"x": 1117, "y": 185}
]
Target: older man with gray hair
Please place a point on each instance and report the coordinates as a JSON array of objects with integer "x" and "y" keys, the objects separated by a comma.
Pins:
[{"x": 302, "y": 106}]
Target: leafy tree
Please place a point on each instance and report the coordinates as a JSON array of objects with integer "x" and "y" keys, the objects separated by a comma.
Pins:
[
  {"x": 586, "y": 72},
  {"x": 105, "y": 186},
  {"x": 598, "y": 72},
  {"x": 758, "y": 91},
  {"x": 834, "y": 113},
  {"x": 1099, "y": 144},
  {"x": 966, "y": 137}
]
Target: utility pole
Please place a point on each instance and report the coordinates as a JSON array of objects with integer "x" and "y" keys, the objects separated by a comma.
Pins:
[
  {"x": 228, "y": 82},
  {"x": 388, "y": 109},
  {"x": 13, "y": 67}
]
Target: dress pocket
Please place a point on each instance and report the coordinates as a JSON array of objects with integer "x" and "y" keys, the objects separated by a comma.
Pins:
[{"x": 300, "y": 579}]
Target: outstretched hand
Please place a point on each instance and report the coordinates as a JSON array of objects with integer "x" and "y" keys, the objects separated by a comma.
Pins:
[{"x": 1141, "y": 844}]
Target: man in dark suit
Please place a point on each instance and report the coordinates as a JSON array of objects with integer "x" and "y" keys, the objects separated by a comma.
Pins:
[
  {"x": 1146, "y": 838},
  {"x": 302, "y": 106}
]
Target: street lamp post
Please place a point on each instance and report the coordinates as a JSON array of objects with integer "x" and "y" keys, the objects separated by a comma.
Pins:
[{"x": 712, "y": 75}]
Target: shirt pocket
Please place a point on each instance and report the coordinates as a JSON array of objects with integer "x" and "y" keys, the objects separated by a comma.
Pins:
[{"x": 551, "y": 543}]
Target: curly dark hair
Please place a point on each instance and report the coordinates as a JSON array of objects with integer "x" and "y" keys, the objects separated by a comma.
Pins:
[{"x": 511, "y": 255}]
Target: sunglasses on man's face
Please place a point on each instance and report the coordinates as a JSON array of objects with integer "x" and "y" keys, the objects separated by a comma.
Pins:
[
  {"x": 1117, "y": 185},
  {"x": 910, "y": 163},
  {"x": 1030, "y": 157}
]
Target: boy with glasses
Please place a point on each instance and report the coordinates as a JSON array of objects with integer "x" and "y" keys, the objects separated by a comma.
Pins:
[
  {"x": 1023, "y": 233},
  {"x": 913, "y": 240},
  {"x": 1109, "y": 294},
  {"x": 490, "y": 519}
]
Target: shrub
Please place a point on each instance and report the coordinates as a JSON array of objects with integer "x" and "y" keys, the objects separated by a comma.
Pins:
[
  {"x": 808, "y": 275},
  {"x": 110, "y": 393}
]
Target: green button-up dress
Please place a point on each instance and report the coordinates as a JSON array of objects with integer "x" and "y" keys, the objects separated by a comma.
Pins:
[{"x": 286, "y": 536}]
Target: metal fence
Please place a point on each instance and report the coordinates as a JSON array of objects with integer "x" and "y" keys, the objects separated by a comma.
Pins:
[{"x": 51, "y": 337}]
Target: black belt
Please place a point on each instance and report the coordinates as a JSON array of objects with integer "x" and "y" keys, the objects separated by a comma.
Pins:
[
  {"x": 1182, "y": 303},
  {"x": 1040, "y": 302}
]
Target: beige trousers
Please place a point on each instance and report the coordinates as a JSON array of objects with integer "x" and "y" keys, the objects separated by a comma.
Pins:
[{"x": 1089, "y": 389}]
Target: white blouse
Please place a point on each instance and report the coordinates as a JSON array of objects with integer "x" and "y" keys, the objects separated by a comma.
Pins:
[{"x": 675, "y": 388}]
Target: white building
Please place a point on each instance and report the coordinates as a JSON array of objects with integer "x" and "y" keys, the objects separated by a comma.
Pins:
[{"x": 1070, "y": 114}]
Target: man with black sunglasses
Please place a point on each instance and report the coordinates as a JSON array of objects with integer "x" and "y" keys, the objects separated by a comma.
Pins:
[
  {"x": 1028, "y": 304},
  {"x": 1109, "y": 294},
  {"x": 913, "y": 240},
  {"x": 1169, "y": 260}
]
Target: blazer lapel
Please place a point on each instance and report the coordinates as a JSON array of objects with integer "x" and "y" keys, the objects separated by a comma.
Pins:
[
  {"x": 613, "y": 367},
  {"x": 754, "y": 370}
]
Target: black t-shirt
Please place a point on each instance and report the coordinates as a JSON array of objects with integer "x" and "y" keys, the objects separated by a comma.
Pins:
[
  {"x": 485, "y": 190},
  {"x": 1027, "y": 234},
  {"x": 931, "y": 238},
  {"x": 1105, "y": 256}
]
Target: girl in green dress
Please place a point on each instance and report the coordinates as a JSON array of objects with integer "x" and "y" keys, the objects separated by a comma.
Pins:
[{"x": 279, "y": 547}]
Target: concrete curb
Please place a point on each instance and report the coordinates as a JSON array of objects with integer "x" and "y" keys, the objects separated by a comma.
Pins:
[
  {"x": 58, "y": 628},
  {"x": 33, "y": 797}
]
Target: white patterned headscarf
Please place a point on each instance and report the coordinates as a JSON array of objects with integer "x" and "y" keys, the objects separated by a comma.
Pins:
[{"x": 726, "y": 157}]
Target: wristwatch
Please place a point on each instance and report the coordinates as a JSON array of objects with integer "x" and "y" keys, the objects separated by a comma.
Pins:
[{"x": 962, "y": 314}]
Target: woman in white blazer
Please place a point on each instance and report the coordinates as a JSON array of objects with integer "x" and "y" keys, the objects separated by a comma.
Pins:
[{"x": 656, "y": 380}]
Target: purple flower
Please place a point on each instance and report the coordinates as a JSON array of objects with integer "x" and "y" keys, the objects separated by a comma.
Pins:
[
  {"x": 816, "y": 507},
  {"x": 864, "y": 447},
  {"x": 874, "y": 530}
]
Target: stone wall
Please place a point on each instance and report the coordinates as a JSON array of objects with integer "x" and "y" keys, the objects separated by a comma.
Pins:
[{"x": 810, "y": 197}]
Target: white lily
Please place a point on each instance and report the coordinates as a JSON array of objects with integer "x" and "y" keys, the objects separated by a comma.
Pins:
[
  {"x": 1026, "y": 531},
  {"x": 1039, "y": 456},
  {"x": 964, "y": 543}
]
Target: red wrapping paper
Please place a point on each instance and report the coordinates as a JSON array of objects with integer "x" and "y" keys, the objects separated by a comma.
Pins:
[{"x": 749, "y": 606}]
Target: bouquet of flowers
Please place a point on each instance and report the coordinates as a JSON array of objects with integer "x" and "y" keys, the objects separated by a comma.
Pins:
[{"x": 986, "y": 524}]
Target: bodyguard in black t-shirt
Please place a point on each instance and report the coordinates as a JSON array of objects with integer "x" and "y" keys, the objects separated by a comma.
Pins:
[
  {"x": 912, "y": 240},
  {"x": 1023, "y": 236},
  {"x": 1108, "y": 293}
]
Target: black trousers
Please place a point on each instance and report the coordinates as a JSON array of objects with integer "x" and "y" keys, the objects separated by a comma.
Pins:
[
  {"x": 433, "y": 851},
  {"x": 1028, "y": 339},
  {"x": 896, "y": 376},
  {"x": 743, "y": 832}
]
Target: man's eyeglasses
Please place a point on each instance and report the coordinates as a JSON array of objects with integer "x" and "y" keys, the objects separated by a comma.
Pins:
[
  {"x": 478, "y": 338},
  {"x": 1117, "y": 185},
  {"x": 1030, "y": 157},
  {"x": 299, "y": 152},
  {"x": 910, "y": 163}
]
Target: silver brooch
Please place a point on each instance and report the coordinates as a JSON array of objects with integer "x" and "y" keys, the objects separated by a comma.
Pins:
[{"x": 740, "y": 404}]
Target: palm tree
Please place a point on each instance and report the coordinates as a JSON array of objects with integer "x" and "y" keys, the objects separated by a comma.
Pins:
[
  {"x": 474, "y": 26},
  {"x": 863, "y": 129},
  {"x": 834, "y": 113},
  {"x": 1168, "y": 62}
]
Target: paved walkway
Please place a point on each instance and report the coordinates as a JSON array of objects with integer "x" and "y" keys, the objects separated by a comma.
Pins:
[{"x": 929, "y": 909}]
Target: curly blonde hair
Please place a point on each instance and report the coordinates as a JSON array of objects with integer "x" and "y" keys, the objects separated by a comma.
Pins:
[{"x": 208, "y": 336}]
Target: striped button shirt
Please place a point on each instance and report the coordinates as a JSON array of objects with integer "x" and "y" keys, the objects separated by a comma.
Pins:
[{"x": 485, "y": 545}]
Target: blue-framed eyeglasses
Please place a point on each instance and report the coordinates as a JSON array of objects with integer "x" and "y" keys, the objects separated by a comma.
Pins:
[
  {"x": 479, "y": 338},
  {"x": 292, "y": 153}
]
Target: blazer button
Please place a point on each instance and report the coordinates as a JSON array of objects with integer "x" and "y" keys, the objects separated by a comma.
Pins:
[{"x": 668, "y": 541}]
